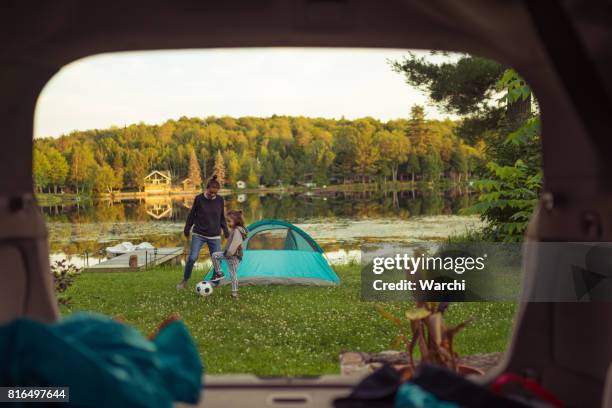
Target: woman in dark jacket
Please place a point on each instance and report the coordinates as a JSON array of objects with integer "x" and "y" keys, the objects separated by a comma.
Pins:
[{"x": 207, "y": 217}]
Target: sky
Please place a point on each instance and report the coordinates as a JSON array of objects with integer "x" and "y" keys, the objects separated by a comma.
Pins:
[{"x": 153, "y": 86}]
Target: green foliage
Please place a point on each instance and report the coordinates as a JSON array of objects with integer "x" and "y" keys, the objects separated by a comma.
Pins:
[
  {"x": 233, "y": 168},
  {"x": 459, "y": 162},
  {"x": 463, "y": 87},
  {"x": 277, "y": 329},
  {"x": 504, "y": 128},
  {"x": 431, "y": 165},
  {"x": 82, "y": 167},
  {"x": 394, "y": 150},
  {"x": 270, "y": 151},
  {"x": 57, "y": 169},
  {"x": 413, "y": 165},
  {"x": 526, "y": 134},
  {"x": 135, "y": 170},
  {"x": 514, "y": 87},
  {"x": 468, "y": 87},
  {"x": 508, "y": 198},
  {"x": 41, "y": 170},
  {"x": 105, "y": 180},
  {"x": 64, "y": 274}
]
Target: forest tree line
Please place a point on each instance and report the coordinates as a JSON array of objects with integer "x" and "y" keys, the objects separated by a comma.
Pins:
[
  {"x": 498, "y": 107},
  {"x": 273, "y": 151}
]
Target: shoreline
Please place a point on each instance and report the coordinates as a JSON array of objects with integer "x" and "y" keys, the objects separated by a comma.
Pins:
[{"x": 62, "y": 198}]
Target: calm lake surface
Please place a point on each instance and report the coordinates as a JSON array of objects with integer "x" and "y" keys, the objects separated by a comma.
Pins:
[{"x": 340, "y": 221}]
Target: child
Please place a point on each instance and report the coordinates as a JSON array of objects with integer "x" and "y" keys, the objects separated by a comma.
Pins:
[{"x": 233, "y": 250}]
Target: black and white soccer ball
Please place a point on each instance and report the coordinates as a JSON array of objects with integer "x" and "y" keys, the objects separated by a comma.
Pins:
[{"x": 204, "y": 288}]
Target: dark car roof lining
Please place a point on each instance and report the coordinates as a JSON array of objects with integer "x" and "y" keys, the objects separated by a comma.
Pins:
[
  {"x": 577, "y": 70},
  {"x": 37, "y": 38}
]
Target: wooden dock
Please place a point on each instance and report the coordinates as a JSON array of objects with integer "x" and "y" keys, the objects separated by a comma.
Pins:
[{"x": 146, "y": 258}]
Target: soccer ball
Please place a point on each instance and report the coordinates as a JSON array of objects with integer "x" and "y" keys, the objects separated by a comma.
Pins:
[{"x": 204, "y": 288}]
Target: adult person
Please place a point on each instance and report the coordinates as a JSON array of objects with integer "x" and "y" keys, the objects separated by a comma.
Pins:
[{"x": 207, "y": 217}]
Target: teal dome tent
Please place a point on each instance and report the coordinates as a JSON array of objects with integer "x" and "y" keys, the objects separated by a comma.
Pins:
[{"x": 278, "y": 252}]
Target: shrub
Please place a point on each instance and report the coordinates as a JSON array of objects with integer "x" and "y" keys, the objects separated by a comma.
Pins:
[{"x": 64, "y": 273}]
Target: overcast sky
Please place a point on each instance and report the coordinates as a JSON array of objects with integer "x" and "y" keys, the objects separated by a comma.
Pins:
[{"x": 154, "y": 86}]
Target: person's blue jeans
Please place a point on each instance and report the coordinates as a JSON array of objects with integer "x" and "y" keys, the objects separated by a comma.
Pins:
[{"x": 197, "y": 242}]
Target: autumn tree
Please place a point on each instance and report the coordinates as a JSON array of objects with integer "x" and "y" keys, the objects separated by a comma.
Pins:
[
  {"x": 256, "y": 150},
  {"x": 194, "y": 169},
  {"x": 40, "y": 170},
  {"x": 58, "y": 168},
  {"x": 233, "y": 167},
  {"x": 105, "y": 180},
  {"x": 81, "y": 166},
  {"x": 366, "y": 151},
  {"x": 135, "y": 170},
  {"x": 219, "y": 168},
  {"x": 394, "y": 150}
]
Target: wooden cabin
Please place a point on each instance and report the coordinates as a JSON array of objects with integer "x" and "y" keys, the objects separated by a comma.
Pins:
[
  {"x": 158, "y": 182},
  {"x": 188, "y": 185}
]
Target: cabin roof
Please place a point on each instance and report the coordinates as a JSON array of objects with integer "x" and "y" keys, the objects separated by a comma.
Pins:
[{"x": 163, "y": 173}]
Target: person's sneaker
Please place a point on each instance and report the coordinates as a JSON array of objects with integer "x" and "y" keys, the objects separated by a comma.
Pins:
[
  {"x": 181, "y": 285},
  {"x": 217, "y": 278},
  {"x": 234, "y": 295}
]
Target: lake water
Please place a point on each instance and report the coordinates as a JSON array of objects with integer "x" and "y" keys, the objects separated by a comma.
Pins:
[{"x": 340, "y": 221}]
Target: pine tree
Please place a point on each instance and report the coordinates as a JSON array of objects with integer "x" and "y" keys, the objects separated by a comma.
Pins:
[
  {"x": 194, "y": 169},
  {"x": 219, "y": 169}
]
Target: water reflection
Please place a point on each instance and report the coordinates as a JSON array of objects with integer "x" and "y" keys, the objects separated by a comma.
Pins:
[{"x": 338, "y": 220}]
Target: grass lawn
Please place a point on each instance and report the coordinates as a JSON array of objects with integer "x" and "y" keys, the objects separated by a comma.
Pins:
[{"x": 273, "y": 330}]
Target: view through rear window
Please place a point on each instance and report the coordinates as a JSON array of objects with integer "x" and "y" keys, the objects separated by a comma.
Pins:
[{"x": 300, "y": 169}]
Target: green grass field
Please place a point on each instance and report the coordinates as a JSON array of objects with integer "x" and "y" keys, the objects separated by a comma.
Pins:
[{"x": 273, "y": 330}]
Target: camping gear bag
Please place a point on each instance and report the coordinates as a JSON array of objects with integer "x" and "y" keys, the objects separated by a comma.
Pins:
[{"x": 103, "y": 362}]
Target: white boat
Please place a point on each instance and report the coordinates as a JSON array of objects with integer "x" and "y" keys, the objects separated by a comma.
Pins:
[{"x": 125, "y": 247}]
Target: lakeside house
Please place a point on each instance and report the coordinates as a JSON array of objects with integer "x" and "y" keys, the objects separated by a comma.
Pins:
[
  {"x": 188, "y": 185},
  {"x": 158, "y": 182}
]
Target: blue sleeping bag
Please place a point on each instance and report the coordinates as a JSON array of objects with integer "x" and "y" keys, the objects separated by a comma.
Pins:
[{"x": 105, "y": 363}]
